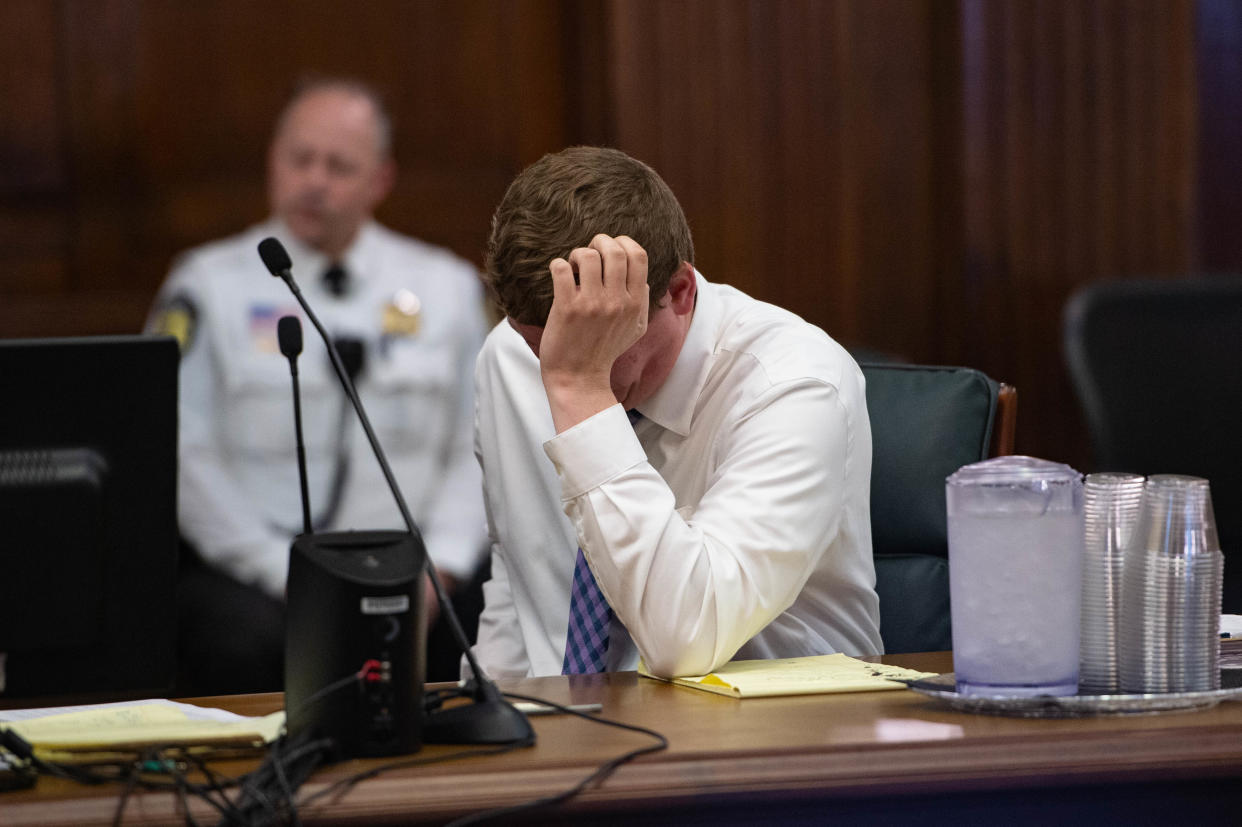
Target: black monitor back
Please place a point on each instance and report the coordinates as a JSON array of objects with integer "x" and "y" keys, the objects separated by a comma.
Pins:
[{"x": 88, "y": 537}]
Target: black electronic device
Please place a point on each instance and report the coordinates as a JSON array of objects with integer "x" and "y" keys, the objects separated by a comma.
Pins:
[
  {"x": 488, "y": 718},
  {"x": 88, "y": 481},
  {"x": 354, "y": 663},
  {"x": 354, "y": 653}
]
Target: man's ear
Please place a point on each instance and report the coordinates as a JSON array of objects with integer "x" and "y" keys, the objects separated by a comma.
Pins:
[
  {"x": 383, "y": 182},
  {"x": 682, "y": 289}
]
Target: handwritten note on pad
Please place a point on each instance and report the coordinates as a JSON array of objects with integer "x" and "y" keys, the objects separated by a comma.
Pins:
[{"x": 818, "y": 674}]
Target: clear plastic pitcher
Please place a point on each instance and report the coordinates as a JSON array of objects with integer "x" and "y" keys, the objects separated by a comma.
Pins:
[{"x": 1015, "y": 576}]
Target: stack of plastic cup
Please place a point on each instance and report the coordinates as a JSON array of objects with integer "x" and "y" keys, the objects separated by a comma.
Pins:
[
  {"x": 1110, "y": 511},
  {"x": 1170, "y": 601}
]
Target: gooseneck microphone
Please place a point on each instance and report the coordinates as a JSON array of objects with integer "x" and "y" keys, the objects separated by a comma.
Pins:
[
  {"x": 490, "y": 719},
  {"x": 289, "y": 334}
]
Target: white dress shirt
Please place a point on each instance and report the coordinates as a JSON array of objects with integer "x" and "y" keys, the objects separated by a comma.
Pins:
[
  {"x": 732, "y": 520},
  {"x": 418, "y": 311}
]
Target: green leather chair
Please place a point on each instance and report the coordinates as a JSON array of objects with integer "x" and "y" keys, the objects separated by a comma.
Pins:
[{"x": 926, "y": 422}]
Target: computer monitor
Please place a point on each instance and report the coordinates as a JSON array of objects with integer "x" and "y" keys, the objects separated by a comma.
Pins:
[{"x": 88, "y": 533}]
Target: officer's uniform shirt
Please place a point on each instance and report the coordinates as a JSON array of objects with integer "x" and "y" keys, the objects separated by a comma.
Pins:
[{"x": 418, "y": 311}]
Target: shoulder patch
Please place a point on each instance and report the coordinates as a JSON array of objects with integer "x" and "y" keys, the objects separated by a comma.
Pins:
[{"x": 178, "y": 318}]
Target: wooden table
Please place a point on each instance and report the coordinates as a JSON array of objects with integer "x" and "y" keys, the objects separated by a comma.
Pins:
[{"x": 879, "y": 757}]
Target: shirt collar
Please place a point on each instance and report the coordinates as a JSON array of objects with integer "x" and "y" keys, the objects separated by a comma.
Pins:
[
  {"x": 672, "y": 405},
  {"x": 309, "y": 263}
]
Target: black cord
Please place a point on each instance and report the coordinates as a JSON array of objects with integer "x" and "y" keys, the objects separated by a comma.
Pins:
[
  {"x": 602, "y": 772},
  {"x": 130, "y": 781},
  {"x": 320, "y": 694},
  {"x": 224, "y": 805},
  {"x": 344, "y": 784},
  {"x": 183, "y": 788},
  {"x": 267, "y": 794},
  {"x": 285, "y": 787}
]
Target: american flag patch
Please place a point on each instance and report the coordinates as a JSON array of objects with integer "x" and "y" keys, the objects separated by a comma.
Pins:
[{"x": 263, "y": 321}]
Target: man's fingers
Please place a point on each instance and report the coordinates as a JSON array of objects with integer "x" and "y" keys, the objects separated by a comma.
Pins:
[
  {"x": 586, "y": 262},
  {"x": 636, "y": 265},
  {"x": 562, "y": 278},
  {"x": 616, "y": 266},
  {"x": 614, "y": 259}
]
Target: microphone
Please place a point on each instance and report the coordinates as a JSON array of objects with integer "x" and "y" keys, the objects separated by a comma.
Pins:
[
  {"x": 289, "y": 334},
  {"x": 276, "y": 259},
  {"x": 353, "y": 353},
  {"x": 490, "y": 719}
]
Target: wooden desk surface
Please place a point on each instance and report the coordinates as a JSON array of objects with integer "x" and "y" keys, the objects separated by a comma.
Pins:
[{"x": 865, "y": 746}]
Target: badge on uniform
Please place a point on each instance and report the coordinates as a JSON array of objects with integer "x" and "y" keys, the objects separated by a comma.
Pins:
[
  {"x": 403, "y": 315},
  {"x": 179, "y": 319},
  {"x": 263, "y": 321}
]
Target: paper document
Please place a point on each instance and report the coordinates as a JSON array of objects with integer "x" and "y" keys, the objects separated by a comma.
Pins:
[
  {"x": 814, "y": 675},
  {"x": 135, "y": 724}
]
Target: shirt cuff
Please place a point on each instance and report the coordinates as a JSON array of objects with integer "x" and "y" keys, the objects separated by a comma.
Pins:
[{"x": 594, "y": 451}]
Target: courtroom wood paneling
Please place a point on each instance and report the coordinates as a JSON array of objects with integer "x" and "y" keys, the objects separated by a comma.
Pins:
[
  {"x": 797, "y": 135},
  {"x": 34, "y": 228},
  {"x": 928, "y": 180},
  {"x": 1079, "y": 151},
  {"x": 138, "y": 128},
  {"x": 924, "y": 178}
]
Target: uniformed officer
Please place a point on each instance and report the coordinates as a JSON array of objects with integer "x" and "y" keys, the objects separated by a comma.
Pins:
[{"x": 408, "y": 319}]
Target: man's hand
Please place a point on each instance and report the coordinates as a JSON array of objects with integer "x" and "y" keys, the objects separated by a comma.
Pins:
[{"x": 599, "y": 310}]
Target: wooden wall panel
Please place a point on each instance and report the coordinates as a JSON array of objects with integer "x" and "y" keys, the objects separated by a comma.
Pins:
[
  {"x": 34, "y": 228},
  {"x": 924, "y": 178},
  {"x": 797, "y": 136},
  {"x": 928, "y": 180},
  {"x": 154, "y": 119},
  {"x": 1079, "y": 152}
]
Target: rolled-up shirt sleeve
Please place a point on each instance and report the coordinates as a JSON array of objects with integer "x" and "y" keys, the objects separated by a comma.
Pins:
[{"x": 693, "y": 582}]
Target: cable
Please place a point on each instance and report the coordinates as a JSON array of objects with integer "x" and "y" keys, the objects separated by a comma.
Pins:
[
  {"x": 345, "y": 784},
  {"x": 602, "y": 772},
  {"x": 320, "y": 694},
  {"x": 285, "y": 787},
  {"x": 267, "y": 795}
]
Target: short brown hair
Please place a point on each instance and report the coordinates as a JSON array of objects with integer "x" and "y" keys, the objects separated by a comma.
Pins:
[{"x": 561, "y": 202}]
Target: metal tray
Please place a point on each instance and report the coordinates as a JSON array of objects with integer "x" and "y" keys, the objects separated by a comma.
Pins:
[{"x": 943, "y": 688}]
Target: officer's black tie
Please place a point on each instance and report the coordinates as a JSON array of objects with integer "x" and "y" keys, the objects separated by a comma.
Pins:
[{"x": 334, "y": 277}]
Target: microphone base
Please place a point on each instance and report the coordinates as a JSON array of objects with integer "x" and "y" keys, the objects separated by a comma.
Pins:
[{"x": 488, "y": 720}]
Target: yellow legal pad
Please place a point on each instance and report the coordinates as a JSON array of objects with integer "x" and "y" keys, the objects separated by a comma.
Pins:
[
  {"x": 814, "y": 675},
  {"x": 120, "y": 726}
]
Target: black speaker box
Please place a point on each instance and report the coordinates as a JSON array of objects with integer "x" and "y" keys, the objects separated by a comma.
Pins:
[{"x": 354, "y": 641}]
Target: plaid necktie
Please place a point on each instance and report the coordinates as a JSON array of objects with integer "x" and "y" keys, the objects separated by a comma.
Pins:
[
  {"x": 586, "y": 644},
  {"x": 589, "y": 617}
]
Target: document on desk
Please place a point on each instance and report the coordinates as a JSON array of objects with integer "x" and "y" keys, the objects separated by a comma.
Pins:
[
  {"x": 814, "y": 675},
  {"x": 132, "y": 724}
]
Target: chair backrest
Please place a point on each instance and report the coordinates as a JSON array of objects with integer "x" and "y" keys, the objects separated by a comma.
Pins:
[
  {"x": 926, "y": 422},
  {"x": 1157, "y": 367}
]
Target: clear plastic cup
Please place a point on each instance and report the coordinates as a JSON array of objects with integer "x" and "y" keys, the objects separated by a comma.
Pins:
[
  {"x": 1111, "y": 503},
  {"x": 1170, "y": 600}
]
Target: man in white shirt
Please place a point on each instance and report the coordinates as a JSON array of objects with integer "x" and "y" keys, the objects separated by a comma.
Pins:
[
  {"x": 409, "y": 320},
  {"x": 698, "y": 459}
]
